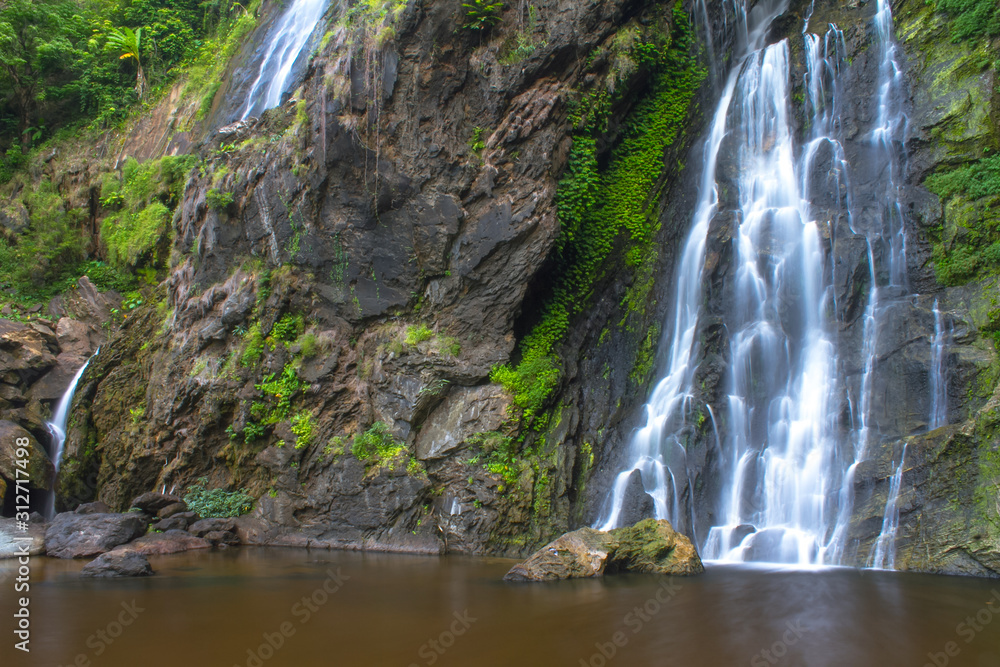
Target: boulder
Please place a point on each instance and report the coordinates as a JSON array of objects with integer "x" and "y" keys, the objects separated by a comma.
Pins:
[
  {"x": 167, "y": 542},
  {"x": 155, "y": 501},
  {"x": 175, "y": 522},
  {"x": 96, "y": 507},
  {"x": 72, "y": 535},
  {"x": 201, "y": 528},
  {"x": 653, "y": 547},
  {"x": 13, "y": 544},
  {"x": 222, "y": 538},
  {"x": 172, "y": 509},
  {"x": 118, "y": 564},
  {"x": 650, "y": 546},
  {"x": 24, "y": 351},
  {"x": 40, "y": 469}
]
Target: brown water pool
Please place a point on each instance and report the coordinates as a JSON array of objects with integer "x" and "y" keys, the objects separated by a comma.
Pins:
[{"x": 258, "y": 607}]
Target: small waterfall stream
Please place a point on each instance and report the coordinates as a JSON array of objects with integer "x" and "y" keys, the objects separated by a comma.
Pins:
[
  {"x": 57, "y": 426},
  {"x": 939, "y": 371},
  {"x": 287, "y": 39},
  {"x": 883, "y": 555},
  {"x": 787, "y": 468}
]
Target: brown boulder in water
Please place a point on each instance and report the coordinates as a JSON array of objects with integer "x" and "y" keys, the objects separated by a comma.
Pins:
[{"x": 650, "y": 546}]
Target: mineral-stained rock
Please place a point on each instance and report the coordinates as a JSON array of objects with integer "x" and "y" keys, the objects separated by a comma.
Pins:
[
  {"x": 72, "y": 535},
  {"x": 118, "y": 564},
  {"x": 650, "y": 546}
]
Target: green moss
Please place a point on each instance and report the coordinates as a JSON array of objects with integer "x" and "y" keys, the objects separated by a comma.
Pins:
[
  {"x": 642, "y": 367},
  {"x": 599, "y": 208},
  {"x": 969, "y": 243},
  {"x": 971, "y": 18},
  {"x": 132, "y": 238}
]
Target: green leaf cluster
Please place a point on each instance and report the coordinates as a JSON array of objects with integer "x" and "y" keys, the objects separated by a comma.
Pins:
[{"x": 208, "y": 503}]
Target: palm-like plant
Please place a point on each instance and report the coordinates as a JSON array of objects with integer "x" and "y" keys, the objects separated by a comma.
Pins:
[{"x": 129, "y": 43}]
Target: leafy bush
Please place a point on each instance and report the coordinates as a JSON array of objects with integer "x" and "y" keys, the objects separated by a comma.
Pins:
[
  {"x": 971, "y": 18},
  {"x": 481, "y": 14},
  {"x": 208, "y": 503},
  {"x": 418, "y": 334},
  {"x": 377, "y": 444},
  {"x": 218, "y": 200},
  {"x": 303, "y": 428}
]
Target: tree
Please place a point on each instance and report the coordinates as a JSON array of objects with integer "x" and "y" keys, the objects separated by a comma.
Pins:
[
  {"x": 129, "y": 42},
  {"x": 36, "y": 50}
]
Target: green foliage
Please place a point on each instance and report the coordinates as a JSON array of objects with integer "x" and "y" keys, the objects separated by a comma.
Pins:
[
  {"x": 972, "y": 18},
  {"x": 286, "y": 330},
  {"x": 501, "y": 455},
  {"x": 308, "y": 344},
  {"x": 974, "y": 181},
  {"x": 208, "y": 503},
  {"x": 131, "y": 238},
  {"x": 218, "y": 200},
  {"x": 47, "y": 257},
  {"x": 418, "y": 334},
  {"x": 481, "y": 14},
  {"x": 303, "y": 428},
  {"x": 69, "y": 61},
  {"x": 278, "y": 392},
  {"x": 253, "y": 346},
  {"x": 970, "y": 243},
  {"x": 476, "y": 143},
  {"x": 147, "y": 196},
  {"x": 599, "y": 208},
  {"x": 377, "y": 445}
]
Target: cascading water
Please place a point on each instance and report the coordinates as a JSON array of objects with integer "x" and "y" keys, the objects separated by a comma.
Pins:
[
  {"x": 57, "y": 427},
  {"x": 884, "y": 552},
  {"x": 939, "y": 371},
  {"x": 656, "y": 450},
  {"x": 787, "y": 470},
  {"x": 287, "y": 39}
]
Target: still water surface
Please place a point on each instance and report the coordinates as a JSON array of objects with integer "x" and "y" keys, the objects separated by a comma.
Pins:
[{"x": 219, "y": 608}]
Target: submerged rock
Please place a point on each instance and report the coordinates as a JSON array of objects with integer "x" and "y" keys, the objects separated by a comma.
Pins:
[
  {"x": 650, "y": 546},
  {"x": 72, "y": 535},
  {"x": 167, "y": 542},
  {"x": 118, "y": 564}
]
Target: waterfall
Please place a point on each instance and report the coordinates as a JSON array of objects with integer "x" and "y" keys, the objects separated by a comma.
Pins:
[
  {"x": 884, "y": 552},
  {"x": 57, "y": 426},
  {"x": 939, "y": 371},
  {"x": 656, "y": 450},
  {"x": 787, "y": 468},
  {"x": 286, "y": 41}
]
